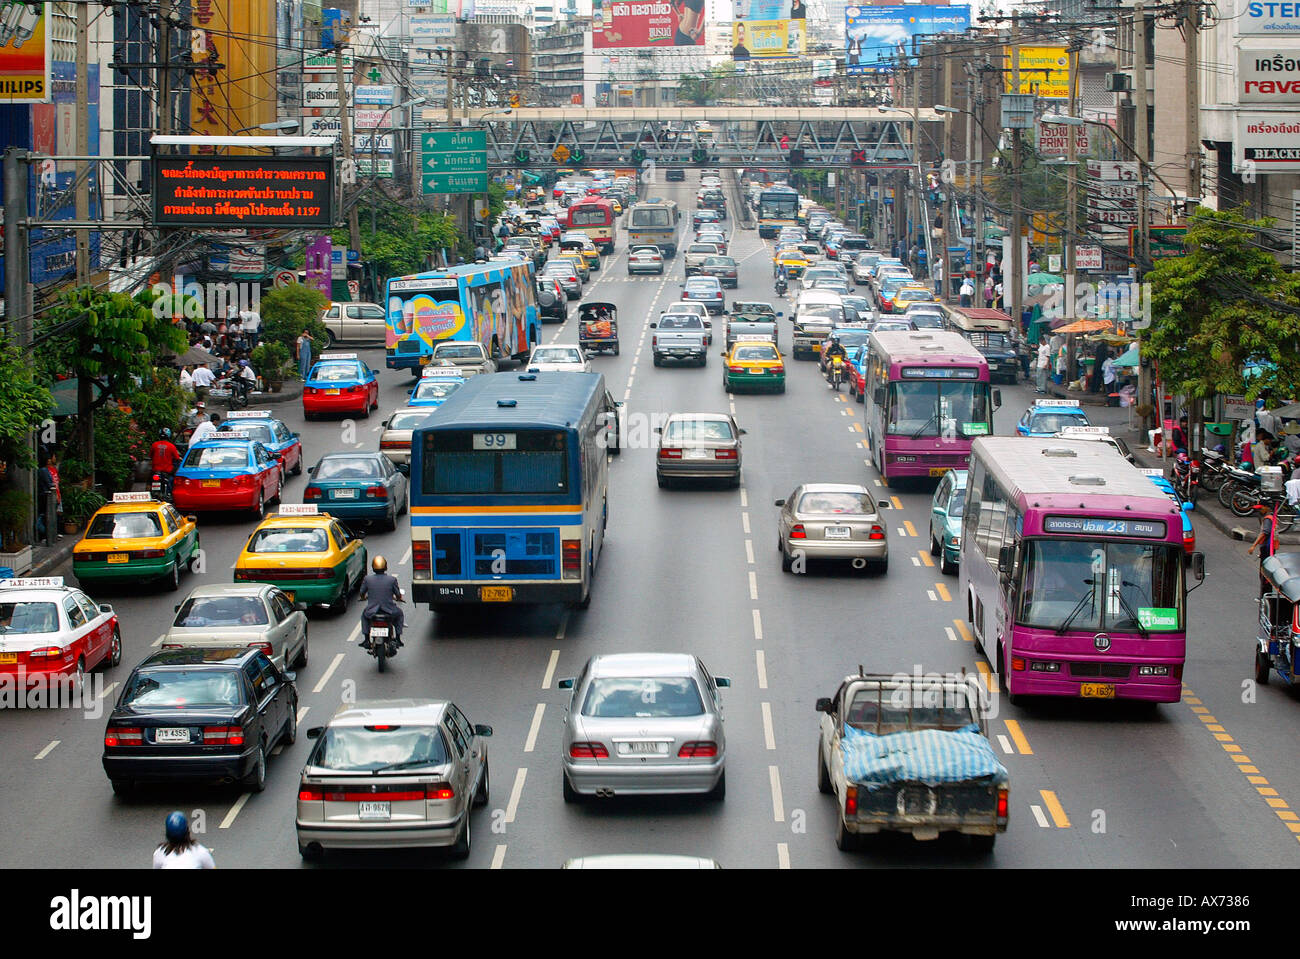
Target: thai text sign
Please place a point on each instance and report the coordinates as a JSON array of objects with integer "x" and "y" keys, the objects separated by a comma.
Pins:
[
  {"x": 1265, "y": 76},
  {"x": 225, "y": 192}
]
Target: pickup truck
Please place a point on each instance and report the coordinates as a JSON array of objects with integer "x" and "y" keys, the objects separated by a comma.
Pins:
[
  {"x": 1000, "y": 352},
  {"x": 354, "y": 323},
  {"x": 472, "y": 357},
  {"x": 752, "y": 326},
  {"x": 910, "y": 753},
  {"x": 679, "y": 336}
]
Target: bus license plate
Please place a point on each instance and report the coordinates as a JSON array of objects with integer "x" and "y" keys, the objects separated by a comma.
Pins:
[
  {"x": 118, "y": 557},
  {"x": 374, "y": 810},
  {"x": 1097, "y": 690},
  {"x": 938, "y": 470},
  {"x": 496, "y": 594}
]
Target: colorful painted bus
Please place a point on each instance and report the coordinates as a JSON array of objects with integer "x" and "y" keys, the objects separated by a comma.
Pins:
[
  {"x": 491, "y": 303},
  {"x": 594, "y": 216},
  {"x": 1072, "y": 571},
  {"x": 509, "y": 490},
  {"x": 778, "y": 206},
  {"x": 926, "y": 395}
]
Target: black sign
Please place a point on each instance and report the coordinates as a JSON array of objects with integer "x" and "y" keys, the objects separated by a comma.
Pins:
[
  {"x": 1105, "y": 526},
  {"x": 940, "y": 373},
  {"x": 230, "y": 193}
]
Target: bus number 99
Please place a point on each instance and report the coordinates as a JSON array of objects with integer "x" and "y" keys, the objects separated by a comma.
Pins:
[{"x": 494, "y": 441}]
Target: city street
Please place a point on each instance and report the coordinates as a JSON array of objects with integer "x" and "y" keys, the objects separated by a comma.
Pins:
[{"x": 1204, "y": 783}]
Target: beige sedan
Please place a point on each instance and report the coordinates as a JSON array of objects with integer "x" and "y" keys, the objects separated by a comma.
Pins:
[
  {"x": 218, "y": 615},
  {"x": 835, "y": 521},
  {"x": 395, "y": 440}
]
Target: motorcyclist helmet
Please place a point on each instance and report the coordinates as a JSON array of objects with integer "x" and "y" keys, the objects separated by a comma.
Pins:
[
  {"x": 379, "y": 564},
  {"x": 176, "y": 826},
  {"x": 165, "y": 433}
]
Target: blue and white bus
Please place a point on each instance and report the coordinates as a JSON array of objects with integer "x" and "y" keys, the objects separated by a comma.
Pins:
[
  {"x": 509, "y": 490},
  {"x": 491, "y": 303}
]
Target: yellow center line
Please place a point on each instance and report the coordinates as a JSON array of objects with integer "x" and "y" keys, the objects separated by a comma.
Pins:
[
  {"x": 1266, "y": 790},
  {"x": 857, "y": 426},
  {"x": 963, "y": 631},
  {"x": 1257, "y": 780},
  {"x": 925, "y": 557},
  {"x": 1018, "y": 737},
  {"x": 942, "y": 590},
  {"x": 1192, "y": 701},
  {"x": 990, "y": 681},
  {"x": 911, "y": 530},
  {"x": 1055, "y": 809},
  {"x": 898, "y": 504},
  {"x": 1286, "y": 815}
]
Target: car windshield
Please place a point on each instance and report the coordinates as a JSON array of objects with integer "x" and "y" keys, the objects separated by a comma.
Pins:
[
  {"x": 360, "y": 749},
  {"x": 347, "y": 467},
  {"x": 409, "y": 420},
  {"x": 336, "y": 372},
  {"x": 183, "y": 688},
  {"x": 284, "y": 539},
  {"x": 679, "y": 321},
  {"x": 556, "y": 354},
  {"x": 134, "y": 525},
  {"x": 851, "y": 338},
  {"x": 1054, "y": 422},
  {"x": 836, "y": 502},
  {"x": 1094, "y": 585},
  {"x": 755, "y": 354},
  {"x": 468, "y": 351},
  {"x": 203, "y": 612},
  {"x": 926, "y": 321},
  {"x": 258, "y": 432},
  {"x": 435, "y": 389},
  {"x": 217, "y": 457},
  {"x": 682, "y": 430},
  {"x": 649, "y": 698},
  {"x": 919, "y": 409},
  {"x": 24, "y": 618}
]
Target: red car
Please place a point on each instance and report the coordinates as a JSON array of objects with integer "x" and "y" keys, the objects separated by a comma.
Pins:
[
  {"x": 228, "y": 471},
  {"x": 340, "y": 383},
  {"x": 53, "y": 632}
]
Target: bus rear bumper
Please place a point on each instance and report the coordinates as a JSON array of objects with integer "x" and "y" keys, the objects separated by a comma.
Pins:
[
  {"x": 1150, "y": 689},
  {"x": 521, "y": 594}
]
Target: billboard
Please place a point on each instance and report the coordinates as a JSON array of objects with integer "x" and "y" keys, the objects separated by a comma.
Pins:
[
  {"x": 874, "y": 36},
  {"x": 766, "y": 39},
  {"x": 1053, "y": 139},
  {"x": 226, "y": 98},
  {"x": 1262, "y": 18},
  {"x": 1044, "y": 72},
  {"x": 25, "y": 54},
  {"x": 658, "y": 23},
  {"x": 226, "y": 192},
  {"x": 1267, "y": 141},
  {"x": 1268, "y": 77}
]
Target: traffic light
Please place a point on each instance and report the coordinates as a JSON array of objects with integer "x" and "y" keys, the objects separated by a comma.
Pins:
[
  {"x": 797, "y": 156},
  {"x": 700, "y": 155},
  {"x": 522, "y": 157},
  {"x": 858, "y": 158},
  {"x": 638, "y": 156}
]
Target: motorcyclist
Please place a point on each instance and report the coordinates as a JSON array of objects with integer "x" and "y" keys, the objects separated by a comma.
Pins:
[
  {"x": 181, "y": 850},
  {"x": 782, "y": 279},
  {"x": 382, "y": 592},
  {"x": 165, "y": 458},
  {"x": 833, "y": 351}
]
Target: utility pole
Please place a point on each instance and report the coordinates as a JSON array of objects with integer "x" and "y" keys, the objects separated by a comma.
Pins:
[
  {"x": 1071, "y": 186},
  {"x": 345, "y": 113},
  {"x": 82, "y": 199},
  {"x": 1017, "y": 278},
  {"x": 1141, "y": 134},
  {"x": 977, "y": 240},
  {"x": 1191, "y": 41},
  {"x": 17, "y": 275},
  {"x": 164, "y": 71}
]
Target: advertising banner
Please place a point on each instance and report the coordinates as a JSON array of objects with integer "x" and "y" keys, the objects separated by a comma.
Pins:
[
  {"x": 1266, "y": 18},
  {"x": 1053, "y": 140},
  {"x": 1267, "y": 141},
  {"x": 1087, "y": 258},
  {"x": 322, "y": 127},
  {"x": 381, "y": 167},
  {"x": 317, "y": 266},
  {"x": 317, "y": 96},
  {"x": 766, "y": 39},
  {"x": 875, "y": 35},
  {"x": 657, "y": 23},
  {"x": 372, "y": 118},
  {"x": 25, "y": 54},
  {"x": 1044, "y": 72},
  {"x": 368, "y": 143},
  {"x": 229, "y": 192},
  {"x": 369, "y": 95},
  {"x": 432, "y": 30},
  {"x": 1268, "y": 76}
]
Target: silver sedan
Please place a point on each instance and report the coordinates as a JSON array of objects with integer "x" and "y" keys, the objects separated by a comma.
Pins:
[
  {"x": 699, "y": 446},
  {"x": 395, "y": 440},
  {"x": 642, "y": 724},
  {"x": 218, "y": 615},
  {"x": 832, "y": 521}
]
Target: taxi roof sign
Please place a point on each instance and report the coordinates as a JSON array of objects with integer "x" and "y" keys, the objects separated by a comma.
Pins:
[
  {"x": 1057, "y": 403},
  {"x": 32, "y": 583},
  {"x": 338, "y": 356},
  {"x": 132, "y": 497},
  {"x": 226, "y": 435},
  {"x": 299, "y": 509},
  {"x": 444, "y": 371},
  {"x": 1085, "y": 431},
  {"x": 1151, "y": 472},
  {"x": 249, "y": 415}
]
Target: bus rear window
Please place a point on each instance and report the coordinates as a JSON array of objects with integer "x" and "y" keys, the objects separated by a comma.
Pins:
[
  {"x": 589, "y": 216},
  {"x": 528, "y": 462},
  {"x": 642, "y": 217}
]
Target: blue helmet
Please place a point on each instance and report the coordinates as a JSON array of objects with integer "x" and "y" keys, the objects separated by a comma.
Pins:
[{"x": 177, "y": 826}]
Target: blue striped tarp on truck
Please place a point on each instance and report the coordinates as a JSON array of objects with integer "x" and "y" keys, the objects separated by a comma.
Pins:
[{"x": 929, "y": 756}]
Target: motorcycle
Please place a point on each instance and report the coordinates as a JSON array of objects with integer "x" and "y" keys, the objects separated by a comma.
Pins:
[
  {"x": 1187, "y": 473},
  {"x": 1214, "y": 471},
  {"x": 836, "y": 372},
  {"x": 781, "y": 286},
  {"x": 232, "y": 390},
  {"x": 160, "y": 487},
  {"x": 382, "y": 639},
  {"x": 1238, "y": 481}
]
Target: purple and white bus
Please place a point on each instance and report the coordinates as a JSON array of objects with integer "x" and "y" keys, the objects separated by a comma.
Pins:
[
  {"x": 926, "y": 395},
  {"x": 1073, "y": 573}
]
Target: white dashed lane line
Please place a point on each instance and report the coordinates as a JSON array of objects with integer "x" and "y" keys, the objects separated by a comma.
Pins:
[
  {"x": 550, "y": 669},
  {"x": 515, "y": 793},
  {"x": 334, "y": 664},
  {"x": 47, "y": 750},
  {"x": 761, "y": 662},
  {"x": 535, "y": 728}
]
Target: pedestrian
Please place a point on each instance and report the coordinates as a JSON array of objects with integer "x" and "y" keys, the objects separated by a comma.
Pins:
[
  {"x": 46, "y": 482},
  {"x": 1108, "y": 373},
  {"x": 936, "y": 273},
  {"x": 187, "y": 379},
  {"x": 202, "y": 379},
  {"x": 206, "y": 428},
  {"x": 997, "y": 295},
  {"x": 1266, "y": 541},
  {"x": 1044, "y": 356},
  {"x": 302, "y": 349},
  {"x": 252, "y": 323},
  {"x": 967, "y": 291},
  {"x": 180, "y": 850},
  {"x": 988, "y": 291}
]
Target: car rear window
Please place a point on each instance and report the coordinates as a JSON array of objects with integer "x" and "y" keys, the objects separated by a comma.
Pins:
[
  {"x": 431, "y": 390},
  {"x": 755, "y": 353},
  {"x": 183, "y": 688},
  {"x": 413, "y": 420},
  {"x": 203, "y": 612},
  {"x": 468, "y": 351},
  {"x": 284, "y": 539},
  {"x": 835, "y": 502},
  {"x": 347, "y": 467},
  {"x": 359, "y": 749},
  {"x": 648, "y": 698},
  {"x": 217, "y": 457},
  {"x": 679, "y": 430},
  {"x": 134, "y": 525},
  {"x": 24, "y": 618},
  {"x": 336, "y": 372}
]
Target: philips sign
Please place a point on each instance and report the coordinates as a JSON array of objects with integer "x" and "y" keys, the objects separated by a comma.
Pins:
[{"x": 1265, "y": 18}]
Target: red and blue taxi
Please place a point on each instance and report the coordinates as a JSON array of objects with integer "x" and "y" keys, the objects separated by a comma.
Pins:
[
  {"x": 227, "y": 471},
  {"x": 306, "y": 553},
  {"x": 136, "y": 538},
  {"x": 272, "y": 433},
  {"x": 340, "y": 383},
  {"x": 49, "y": 631},
  {"x": 436, "y": 384}
]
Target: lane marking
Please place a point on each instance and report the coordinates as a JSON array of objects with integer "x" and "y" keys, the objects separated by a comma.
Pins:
[
  {"x": 513, "y": 806},
  {"x": 990, "y": 680},
  {"x": 761, "y": 662},
  {"x": 778, "y": 805},
  {"x": 338, "y": 658},
  {"x": 744, "y": 498},
  {"x": 896, "y": 501},
  {"x": 158, "y": 642},
  {"x": 901, "y": 531},
  {"x": 911, "y": 530},
  {"x": 535, "y": 728},
  {"x": 758, "y": 626},
  {"x": 550, "y": 669},
  {"x": 498, "y": 856},
  {"x": 965, "y": 633},
  {"x": 234, "y": 811},
  {"x": 769, "y": 735},
  {"x": 1054, "y": 807},
  {"x": 406, "y": 557},
  {"x": 916, "y": 562},
  {"x": 1038, "y": 814},
  {"x": 942, "y": 590},
  {"x": 355, "y": 634},
  {"x": 1005, "y": 744},
  {"x": 951, "y": 635},
  {"x": 48, "y": 749},
  {"x": 749, "y": 551},
  {"x": 925, "y": 558},
  {"x": 856, "y": 426},
  {"x": 782, "y": 855},
  {"x": 302, "y": 711},
  {"x": 1013, "y": 727},
  {"x": 564, "y": 625},
  {"x": 753, "y": 585},
  {"x": 103, "y": 693},
  {"x": 933, "y": 598},
  {"x": 744, "y": 520}
]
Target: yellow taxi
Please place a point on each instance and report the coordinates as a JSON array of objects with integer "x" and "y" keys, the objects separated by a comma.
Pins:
[
  {"x": 579, "y": 263},
  {"x": 135, "y": 538},
  {"x": 306, "y": 553},
  {"x": 753, "y": 364},
  {"x": 575, "y": 241},
  {"x": 793, "y": 261},
  {"x": 618, "y": 207},
  {"x": 905, "y": 296}
]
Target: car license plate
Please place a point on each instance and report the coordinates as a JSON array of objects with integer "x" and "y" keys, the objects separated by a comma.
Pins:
[
  {"x": 289, "y": 593},
  {"x": 643, "y": 749},
  {"x": 343, "y": 494},
  {"x": 331, "y": 392},
  {"x": 697, "y": 454},
  {"x": 938, "y": 470},
  {"x": 424, "y": 360},
  {"x": 838, "y": 532},
  {"x": 374, "y": 810},
  {"x": 211, "y": 484},
  {"x": 757, "y": 372},
  {"x": 1097, "y": 690},
  {"x": 179, "y": 734},
  {"x": 496, "y": 594},
  {"x": 8, "y": 658},
  {"x": 118, "y": 557}
]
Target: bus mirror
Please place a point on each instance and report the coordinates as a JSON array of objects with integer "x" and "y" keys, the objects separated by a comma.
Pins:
[
  {"x": 1006, "y": 559},
  {"x": 997, "y": 399},
  {"x": 1198, "y": 566}
]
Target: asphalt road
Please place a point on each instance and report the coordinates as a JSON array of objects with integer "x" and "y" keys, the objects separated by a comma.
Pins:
[{"x": 1202, "y": 783}]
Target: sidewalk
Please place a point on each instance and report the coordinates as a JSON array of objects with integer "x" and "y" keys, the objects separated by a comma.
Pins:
[{"x": 290, "y": 392}]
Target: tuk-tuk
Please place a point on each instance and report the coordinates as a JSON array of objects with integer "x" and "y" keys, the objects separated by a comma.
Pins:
[
  {"x": 598, "y": 327},
  {"x": 1278, "y": 645}
]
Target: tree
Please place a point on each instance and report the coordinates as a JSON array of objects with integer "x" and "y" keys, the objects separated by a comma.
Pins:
[
  {"x": 289, "y": 310},
  {"x": 24, "y": 403},
  {"x": 1224, "y": 304},
  {"x": 396, "y": 241}
]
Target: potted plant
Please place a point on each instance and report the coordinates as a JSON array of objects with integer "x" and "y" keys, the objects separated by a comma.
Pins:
[
  {"x": 74, "y": 472},
  {"x": 78, "y": 506},
  {"x": 15, "y": 513},
  {"x": 271, "y": 360}
]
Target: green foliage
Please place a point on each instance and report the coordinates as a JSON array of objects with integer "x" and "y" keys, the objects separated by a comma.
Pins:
[
  {"x": 1226, "y": 303},
  {"x": 1042, "y": 185},
  {"x": 23, "y": 404},
  {"x": 15, "y": 511},
  {"x": 157, "y": 404},
  {"x": 72, "y": 469},
  {"x": 81, "y": 504},
  {"x": 119, "y": 442},
  {"x": 271, "y": 360},
  {"x": 289, "y": 310},
  {"x": 402, "y": 240}
]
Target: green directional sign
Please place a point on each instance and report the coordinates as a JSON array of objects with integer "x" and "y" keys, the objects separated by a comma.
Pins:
[{"x": 454, "y": 161}]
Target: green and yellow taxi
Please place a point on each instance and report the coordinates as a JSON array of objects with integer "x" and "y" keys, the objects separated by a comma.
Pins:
[
  {"x": 133, "y": 539},
  {"x": 792, "y": 259},
  {"x": 753, "y": 364},
  {"x": 306, "y": 553}
]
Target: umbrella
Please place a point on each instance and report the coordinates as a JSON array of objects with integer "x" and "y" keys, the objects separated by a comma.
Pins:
[
  {"x": 1289, "y": 412},
  {"x": 64, "y": 393},
  {"x": 1084, "y": 326},
  {"x": 1043, "y": 279},
  {"x": 196, "y": 356},
  {"x": 1130, "y": 357}
]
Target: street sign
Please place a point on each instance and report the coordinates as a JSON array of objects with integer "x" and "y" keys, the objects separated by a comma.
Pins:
[
  {"x": 453, "y": 161},
  {"x": 1087, "y": 258},
  {"x": 560, "y": 153},
  {"x": 283, "y": 278}
]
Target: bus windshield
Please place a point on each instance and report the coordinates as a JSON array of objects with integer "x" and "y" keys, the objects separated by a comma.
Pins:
[
  {"x": 476, "y": 464},
  {"x": 1096, "y": 585},
  {"x": 589, "y": 216},
  {"x": 784, "y": 205},
  {"x": 938, "y": 409}
]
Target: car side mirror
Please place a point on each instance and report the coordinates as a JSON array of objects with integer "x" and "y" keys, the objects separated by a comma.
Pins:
[
  {"x": 105, "y": 608},
  {"x": 780, "y": 314},
  {"x": 1006, "y": 559},
  {"x": 654, "y": 326},
  {"x": 481, "y": 730},
  {"x": 565, "y": 683},
  {"x": 1198, "y": 567},
  {"x": 659, "y": 429},
  {"x": 1189, "y": 507},
  {"x": 779, "y": 502},
  {"x": 885, "y": 504},
  {"x": 301, "y": 607},
  {"x": 744, "y": 432},
  {"x": 176, "y": 608},
  {"x": 315, "y": 731},
  {"x": 191, "y": 519},
  {"x": 289, "y": 676},
  {"x": 939, "y": 510},
  {"x": 722, "y": 682},
  {"x": 825, "y": 705}
]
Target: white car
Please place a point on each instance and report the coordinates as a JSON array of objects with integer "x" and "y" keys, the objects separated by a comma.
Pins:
[
  {"x": 49, "y": 631},
  {"x": 558, "y": 359}
]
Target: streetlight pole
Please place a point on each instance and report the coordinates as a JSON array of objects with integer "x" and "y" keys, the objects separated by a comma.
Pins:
[{"x": 374, "y": 136}]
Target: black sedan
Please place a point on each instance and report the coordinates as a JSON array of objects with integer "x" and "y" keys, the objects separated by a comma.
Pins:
[
  {"x": 704, "y": 215},
  {"x": 200, "y": 714},
  {"x": 722, "y": 267}
]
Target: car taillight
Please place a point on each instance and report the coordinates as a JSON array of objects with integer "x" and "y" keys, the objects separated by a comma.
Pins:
[
  {"x": 797, "y": 531},
  {"x": 698, "y": 750},
  {"x": 439, "y": 791},
  {"x": 264, "y": 647},
  {"x": 392, "y": 444},
  {"x": 421, "y": 556},
  {"x": 571, "y": 550},
  {"x": 588, "y": 751},
  {"x": 736, "y": 369},
  {"x": 311, "y": 794},
  {"x": 877, "y": 533},
  {"x": 724, "y": 454},
  {"x": 310, "y": 391},
  {"x": 124, "y": 736},
  {"x": 851, "y": 801},
  {"x": 43, "y": 652},
  {"x": 377, "y": 492},
  {"x": 311, "y": 492},
  {"x": 149, "y": 553},
  {"x": 1017, "y": 664},
  {"x": 667, "y": 453},
  {"x": 244, "y": 480},
  {"x": 1003, "y": 803},
  {"x": 654, "y": 340},
  {"x": 223, "y": 735}
]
